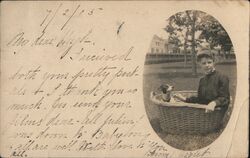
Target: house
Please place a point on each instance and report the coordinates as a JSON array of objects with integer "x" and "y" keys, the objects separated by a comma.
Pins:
[{"x": 159, "y": 45}]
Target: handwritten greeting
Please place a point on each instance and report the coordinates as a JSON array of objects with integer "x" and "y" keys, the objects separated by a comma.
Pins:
[{"x": 68, "y": 92}]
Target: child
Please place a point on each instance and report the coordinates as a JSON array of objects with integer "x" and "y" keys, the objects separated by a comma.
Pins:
[{"x": 213, "y": 87}]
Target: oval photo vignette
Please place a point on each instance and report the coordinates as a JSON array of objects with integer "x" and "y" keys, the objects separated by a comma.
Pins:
[{"x": 189, "y": 81}]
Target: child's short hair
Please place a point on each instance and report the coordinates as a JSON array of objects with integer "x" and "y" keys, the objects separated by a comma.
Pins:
[{"x": 204, "y": 54}]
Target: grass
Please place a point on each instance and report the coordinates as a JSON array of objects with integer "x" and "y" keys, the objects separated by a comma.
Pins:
[{"x": 182, "y": 79}]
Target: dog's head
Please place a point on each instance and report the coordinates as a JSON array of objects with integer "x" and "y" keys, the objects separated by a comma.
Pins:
[{"x": 166, "y": 89}]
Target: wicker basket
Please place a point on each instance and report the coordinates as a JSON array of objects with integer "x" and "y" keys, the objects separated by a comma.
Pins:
[{"x": 182, "y": 119}]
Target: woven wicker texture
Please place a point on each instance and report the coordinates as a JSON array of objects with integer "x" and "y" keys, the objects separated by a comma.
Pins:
[
  {"x": 192, "y": 121},
  {"x": 188, "y": 120}
]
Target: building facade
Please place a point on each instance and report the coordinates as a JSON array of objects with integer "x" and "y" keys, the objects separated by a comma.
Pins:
[
  {"x": 158, "y": 45},
  {"x": 162, "y": 46}
]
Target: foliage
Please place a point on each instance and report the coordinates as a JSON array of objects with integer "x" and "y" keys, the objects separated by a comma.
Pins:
[
  {"x": 192, "y": 28},
  {"x": 214, "y": 33},
  {"x": 180, "y": 25}
]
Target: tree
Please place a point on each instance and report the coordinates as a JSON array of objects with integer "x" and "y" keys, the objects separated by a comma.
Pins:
[
  {"x": 183, "y": 26},
  {"x": 176, "y": 29},
  {"x": 191, "y": 28},
  {"x": 214, "y": 33}
]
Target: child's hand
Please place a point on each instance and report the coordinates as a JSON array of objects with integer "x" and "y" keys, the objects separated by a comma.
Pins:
[
  {"x": 210, "y": 107},
  {"x": 180, "y": 97}
]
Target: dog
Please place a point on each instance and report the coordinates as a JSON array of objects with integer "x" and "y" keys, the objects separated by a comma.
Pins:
[{"x": 165, "y": 92}]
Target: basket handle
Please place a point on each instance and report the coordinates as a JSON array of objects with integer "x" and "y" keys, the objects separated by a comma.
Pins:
[
  {"x": 200, "y": 106},
  {"x": 178, "y": 104}
]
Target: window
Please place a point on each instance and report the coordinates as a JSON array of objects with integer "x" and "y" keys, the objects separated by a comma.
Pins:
[{"x": 157, "y": 43}]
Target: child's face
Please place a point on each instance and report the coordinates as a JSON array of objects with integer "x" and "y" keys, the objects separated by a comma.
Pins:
[{"x": 207, "y": 65}]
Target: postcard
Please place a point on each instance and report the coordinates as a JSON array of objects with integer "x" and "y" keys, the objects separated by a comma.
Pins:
[{"x": 124, "y": 79}]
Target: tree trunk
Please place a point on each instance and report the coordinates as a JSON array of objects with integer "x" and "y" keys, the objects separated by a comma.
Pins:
[
  {"x": 185, "y": 56},
  {"x": 194, "y": 66},
  {"x": 185, "y": 49}
]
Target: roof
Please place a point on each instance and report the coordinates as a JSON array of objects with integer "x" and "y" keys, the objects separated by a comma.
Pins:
[{"x": 158, "y": 38}]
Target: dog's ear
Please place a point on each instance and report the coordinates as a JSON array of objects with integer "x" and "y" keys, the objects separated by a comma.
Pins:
[{"x": 162, "y": 87}]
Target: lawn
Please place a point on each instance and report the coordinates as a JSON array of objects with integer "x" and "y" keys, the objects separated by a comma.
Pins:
[{"x": 181, "y": 78}]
